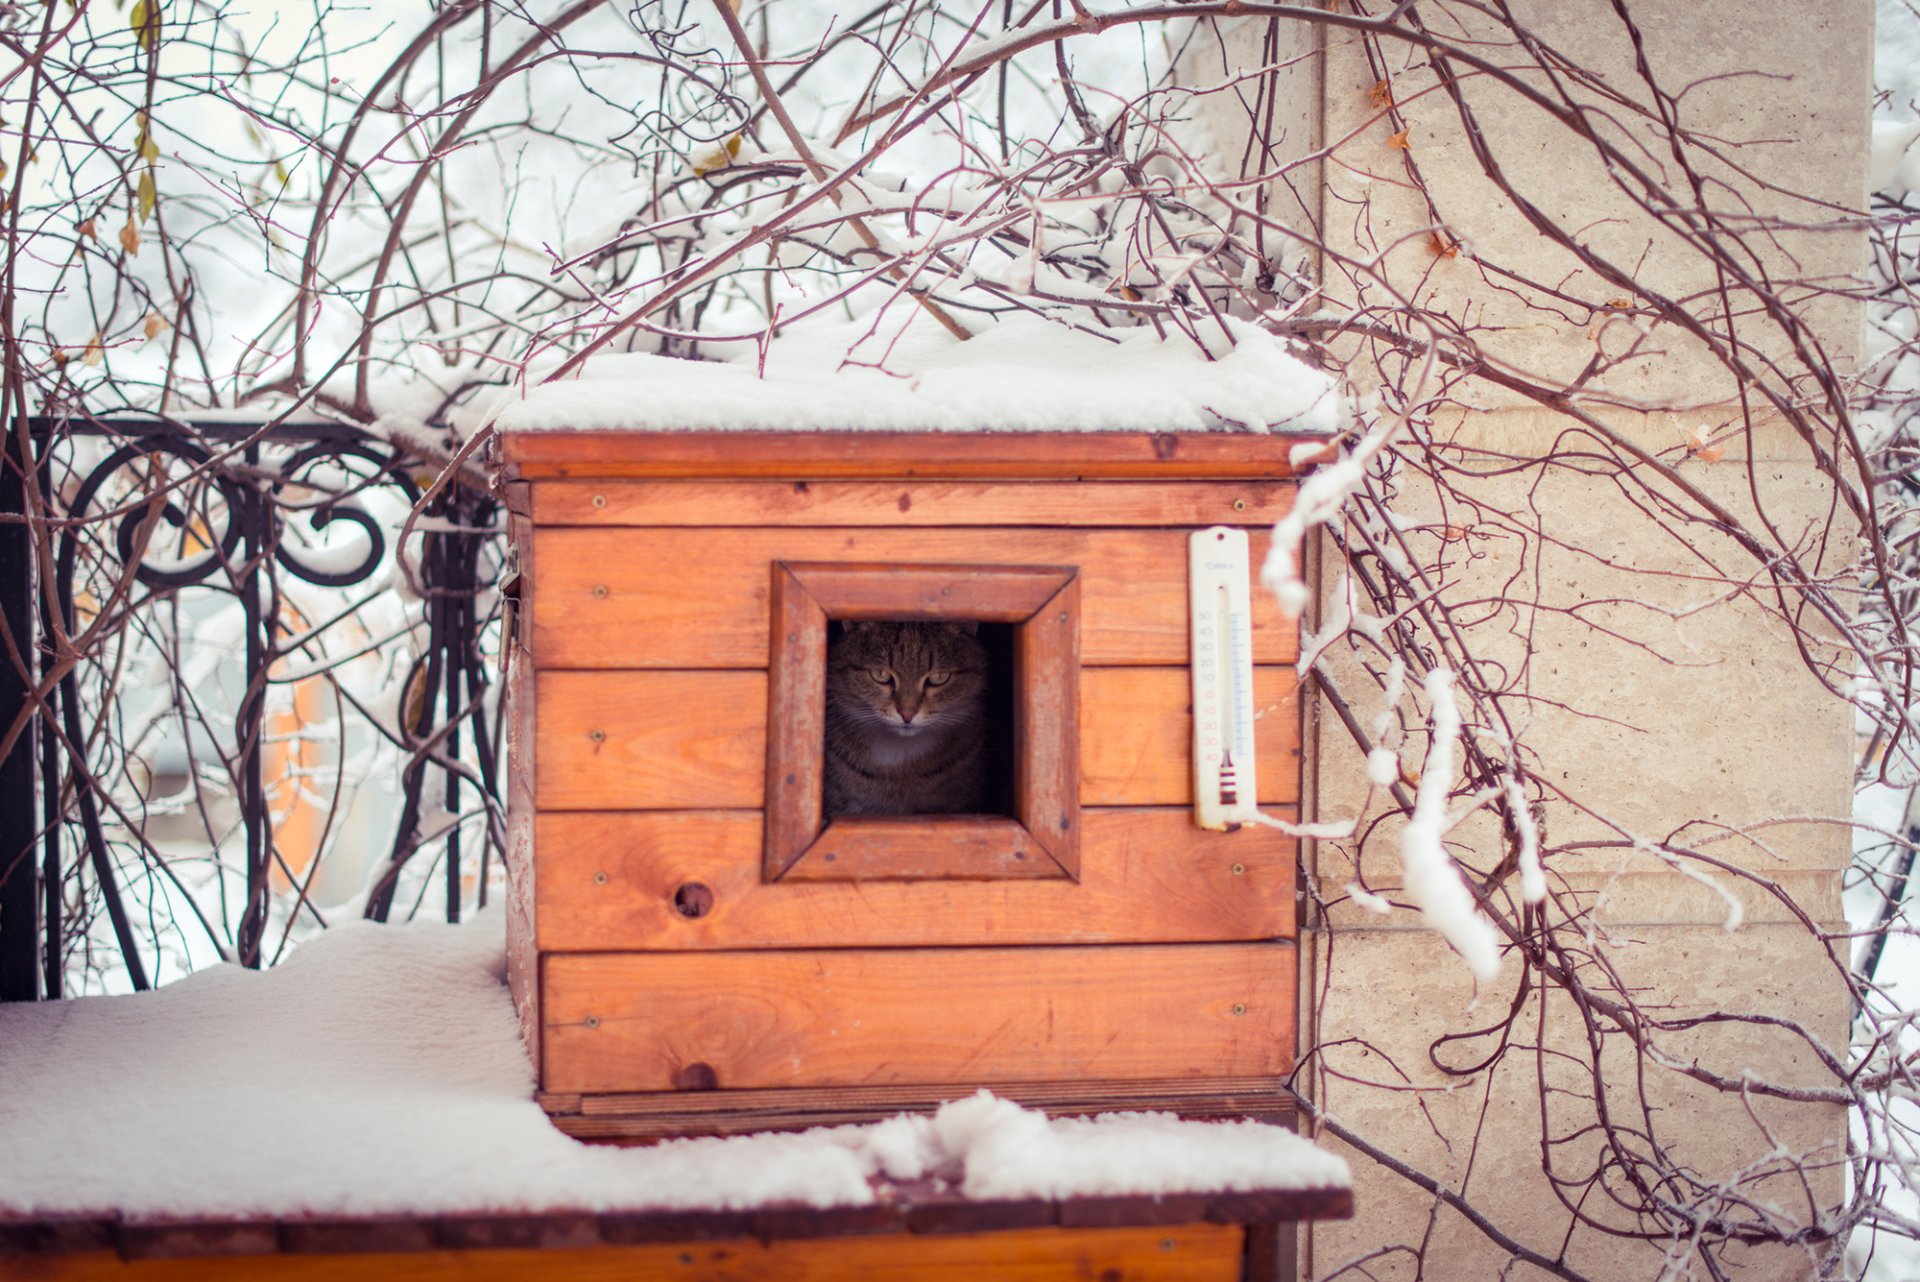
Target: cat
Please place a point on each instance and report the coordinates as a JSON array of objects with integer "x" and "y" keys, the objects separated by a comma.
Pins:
[{"x": 907, "y": 719}]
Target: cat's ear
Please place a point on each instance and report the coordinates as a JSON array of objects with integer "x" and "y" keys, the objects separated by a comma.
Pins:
[{"x": 970, "y": 627}]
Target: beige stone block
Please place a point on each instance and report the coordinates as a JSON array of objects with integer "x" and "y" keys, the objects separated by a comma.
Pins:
[
  {"x": 1395, "y": 1002},
  {"x": 1775, "y": 99},
  {"x": 1646, "y": 671},
  {"x": 1243, "y": 73}
]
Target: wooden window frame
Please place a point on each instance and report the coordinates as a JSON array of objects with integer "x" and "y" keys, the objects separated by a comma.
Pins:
[{"x": 1042, "y": 837}]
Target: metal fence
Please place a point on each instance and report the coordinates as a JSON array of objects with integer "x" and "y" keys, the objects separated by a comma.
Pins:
[{"x": 216, "y": 634}]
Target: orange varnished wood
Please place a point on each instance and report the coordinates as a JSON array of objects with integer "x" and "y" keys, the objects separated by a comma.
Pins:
[
  {"x": 650, "y": 740},
  {"x": 699, "y": 598},
  {"x": 974, "y": 1016},
  {"x": 1136, "y": 736},
  {"x": 680, "y": 740},
  {"x": 1183, "y": 1095},
  {"x": 989, "y": 593},
  {"x": 609, "y": 882},
  {"x": 796, "y": 722},
  {"x": 915, "y": 847},
  {"x": 1157, "y": 1253},
  {"x": 1046, "y": 727},
  {"x": 1040, "y": 840},
  {"x": 829, "y": 454},
  {"x": 901, "y": 504}
]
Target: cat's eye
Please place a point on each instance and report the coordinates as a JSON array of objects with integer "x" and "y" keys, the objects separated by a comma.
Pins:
[
  {"x": 881, "y": 675},
  {"x": 938, "y": 678}
]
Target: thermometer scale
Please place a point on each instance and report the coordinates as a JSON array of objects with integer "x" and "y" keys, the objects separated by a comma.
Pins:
[{"x": 1224, "y": 790}]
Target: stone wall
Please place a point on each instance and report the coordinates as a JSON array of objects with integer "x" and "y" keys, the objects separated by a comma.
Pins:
[{"x": 1663, "y": 702}]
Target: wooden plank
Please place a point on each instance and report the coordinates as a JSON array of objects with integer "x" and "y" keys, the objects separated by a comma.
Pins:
[
  {"x": 158, "y": 1240},
  {"x": 1183, "y": 1253},
  {"x": 634, "y": 1022},
  {"x": 922, "y": 848},
  {"x": 1136, "y": 736},
  {"x": 1248, "y": 1095},
  {"x": 900, "y": 504},
  {"x": 796, "y": 721},
  {"x": 696, "y": 740},
  {"x": 523, "y": 961},
  {"x": 698, "y": 598},
  {"x": 647, "y": 740},
  {"x": 1046, "y": 727},
  {"x": 613, "y": 881},
  {"x": 831, "y": 454},
  {"x": 649, "y": 1126},
  {"x": 883, "y": 590}
]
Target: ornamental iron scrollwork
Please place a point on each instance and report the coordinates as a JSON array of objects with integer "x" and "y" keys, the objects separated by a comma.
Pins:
[{"x": 241, "y": 513}]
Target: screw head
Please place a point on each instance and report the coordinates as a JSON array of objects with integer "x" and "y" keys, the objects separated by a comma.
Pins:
[
  {"x": 598, "y": 736},
  {"x": 593, "y": 1021},
  {"x": 1239, "y": 869},
  {"x": 1239, "y": 1008},
  {"x": 599, "y": 500},
  {"x": 1239, "y": 505},
  {"x": 600, "y": 590},
  {"x": 599, "y": 879}
]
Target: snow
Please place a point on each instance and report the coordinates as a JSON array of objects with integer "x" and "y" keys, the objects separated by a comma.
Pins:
[
  {"x": 379, "y": 1071},
  {"x": 1892, "y": 162},
  {"x": 1432, "y": 878},
  {"x": 1320, "y": 498},
  {"x": 1024, "y": 373}
]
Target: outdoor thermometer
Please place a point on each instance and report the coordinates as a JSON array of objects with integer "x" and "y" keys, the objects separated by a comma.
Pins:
[{"x": 1221, "y": 621}]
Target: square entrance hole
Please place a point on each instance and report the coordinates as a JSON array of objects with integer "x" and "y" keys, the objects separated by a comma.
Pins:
[
  {"x": 919, "y": 718},
  {"x": 1026, "y": 823}
]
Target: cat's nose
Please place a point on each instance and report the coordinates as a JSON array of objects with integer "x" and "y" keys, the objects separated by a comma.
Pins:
[{"x": 906, "y": 716}]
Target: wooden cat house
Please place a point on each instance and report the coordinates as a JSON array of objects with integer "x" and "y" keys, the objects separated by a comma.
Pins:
[{"x": 694, "y": 948}]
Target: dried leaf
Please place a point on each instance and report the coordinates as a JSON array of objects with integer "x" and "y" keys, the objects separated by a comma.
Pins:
[
  {"x": 1620, "y": 304},
  {"x": 145, "y": 21},
  {"x": 96, "y": 350},
  {"x": 1399, "y": 141},
  {"x": 1704, "y": 447},
  {"x": 130, "y": 238},
  {"x": 1442, "y": 246},
  {"x": 1381, "y": 95},
  {"x": 88, "y": 230},
  {"x": 719, "y": 158},
  {"x": 148, "y": 194},
  {"x": 154, "y": 325}
]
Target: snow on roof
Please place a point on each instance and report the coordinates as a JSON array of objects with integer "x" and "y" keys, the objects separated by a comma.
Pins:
[
  {"x": 380, "y": 1071},
  {"x": 1022, "y": 374}
]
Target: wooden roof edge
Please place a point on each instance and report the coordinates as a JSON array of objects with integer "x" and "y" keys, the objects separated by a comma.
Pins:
[
  {"x": 910, "y": 1209},
  {"x": 821, "y": 455}
]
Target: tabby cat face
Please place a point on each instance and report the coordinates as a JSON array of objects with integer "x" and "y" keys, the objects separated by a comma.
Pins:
[{"x": 907, "y": 677}]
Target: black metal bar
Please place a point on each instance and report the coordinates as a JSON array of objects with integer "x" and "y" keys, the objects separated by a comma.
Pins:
[
  {"x": 19, "y": 924},
  {"x": 455, "y": 617},
  {"x": 52, "y": 873},
  {"x": 252, "y": 722},
  {"x": 83, "y": 786}
]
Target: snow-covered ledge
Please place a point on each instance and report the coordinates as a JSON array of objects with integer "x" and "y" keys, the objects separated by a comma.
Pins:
[
  {"x": 379, "y": 1073},
  {"x": 1020, "y": 374}
]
